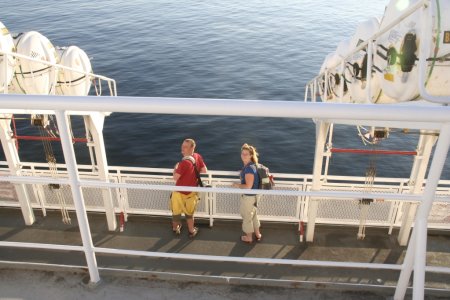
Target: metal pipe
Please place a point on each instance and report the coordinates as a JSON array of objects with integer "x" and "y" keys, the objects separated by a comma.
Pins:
[
  {"x": 78, "y": 199},
  {"x": 437, "y": 164},
  {"x": 255, "y": 260},
  {"x": 321, "y": 194},
  {"x": 226, "y": 107}
]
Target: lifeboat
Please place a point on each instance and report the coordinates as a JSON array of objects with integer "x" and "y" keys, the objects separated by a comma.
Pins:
[
  {"x": 34, "y": 77},
  {"x": 6, "y": 44},
  {"x": 398, "y": 49},
  {"x": 71, "y": 82}
]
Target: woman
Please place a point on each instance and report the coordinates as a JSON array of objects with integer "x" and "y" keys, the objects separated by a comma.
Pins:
[{"x": 249, "y": 180}]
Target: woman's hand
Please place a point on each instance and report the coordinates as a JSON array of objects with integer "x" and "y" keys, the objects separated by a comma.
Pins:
[{"x": 236, "y": 185}]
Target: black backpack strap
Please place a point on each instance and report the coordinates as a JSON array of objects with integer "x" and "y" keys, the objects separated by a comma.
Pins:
[{"x": 197, "y": 173}]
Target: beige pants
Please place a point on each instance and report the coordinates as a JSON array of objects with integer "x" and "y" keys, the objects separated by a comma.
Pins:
[{"x": 249, "y": 215}]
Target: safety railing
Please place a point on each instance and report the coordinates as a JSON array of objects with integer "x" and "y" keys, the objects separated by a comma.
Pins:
[
  {"x": 96, "y": 79},
  {"x": 397, "y": 115},
  {"x": 279, "y": 208}
]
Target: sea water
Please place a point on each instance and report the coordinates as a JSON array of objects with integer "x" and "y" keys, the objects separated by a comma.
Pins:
[{"x": 231, "y": 49}]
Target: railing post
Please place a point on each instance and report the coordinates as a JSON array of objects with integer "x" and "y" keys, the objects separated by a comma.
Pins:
[
  {"x": 95, "y": 122},
  {"x": 77, "y": 194},
  {"x": 12, "y": 158},
  {"x": 418, "y": 244},
  {"x": 424, "y": 148},
  {"x": 321, "y": 135}
]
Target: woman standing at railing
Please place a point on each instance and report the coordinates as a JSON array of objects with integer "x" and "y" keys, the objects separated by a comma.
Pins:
[{"x": 249, "y": 180}]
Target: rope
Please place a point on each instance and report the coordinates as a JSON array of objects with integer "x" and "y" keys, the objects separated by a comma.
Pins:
[
  {"x": 51, "y": 159},
  {"x": 371, "y": 172}
]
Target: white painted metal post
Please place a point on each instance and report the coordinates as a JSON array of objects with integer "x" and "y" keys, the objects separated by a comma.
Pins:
[
  {"x": 12, "y": 157},
  {"x": 77, "y": 194},
  {"x": 416, "y": 179},
  {"x": 321, "y": 137},
  {"x": 418, "y": 243},
  {"x": 96, "y": 121}
]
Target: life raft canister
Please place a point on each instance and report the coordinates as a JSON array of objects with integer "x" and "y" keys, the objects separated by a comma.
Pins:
[
  {"x": 34, "y": 77},
  {"x": 398, "y": 50}
]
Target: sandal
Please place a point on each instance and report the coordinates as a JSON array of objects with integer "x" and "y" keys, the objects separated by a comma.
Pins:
[
  {"x": 177, "y": 230},
  {"x": 245, "y": 239},
  {"x": 193, "y": 233}
]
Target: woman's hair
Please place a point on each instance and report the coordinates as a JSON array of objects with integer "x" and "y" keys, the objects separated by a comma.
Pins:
[{"x": 252, "y": 151}]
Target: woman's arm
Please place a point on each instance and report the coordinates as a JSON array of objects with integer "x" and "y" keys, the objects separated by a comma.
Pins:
[{"x": 249, "y": 178}]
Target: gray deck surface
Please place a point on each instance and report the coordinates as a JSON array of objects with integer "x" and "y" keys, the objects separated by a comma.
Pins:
[{"x": 200, "y": 279}]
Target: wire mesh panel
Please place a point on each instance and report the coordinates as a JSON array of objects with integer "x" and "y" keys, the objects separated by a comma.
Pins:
[
  {"x": 274, "y": 206},
  {"x": 8, "y": 192},
  {"x": 147, "y": 200},
  {"x": 342, "y": 211}
]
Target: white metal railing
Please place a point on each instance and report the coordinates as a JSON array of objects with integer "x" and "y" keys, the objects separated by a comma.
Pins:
[
  {"x": 396, "y": 114},
  {"x": 279, "y": 208},
  {"x": 313, "y": 85},
  {"x": 111, "y": 83}
]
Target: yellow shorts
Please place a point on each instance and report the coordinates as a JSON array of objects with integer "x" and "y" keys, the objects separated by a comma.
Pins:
[{"x": 183, "y": 204}]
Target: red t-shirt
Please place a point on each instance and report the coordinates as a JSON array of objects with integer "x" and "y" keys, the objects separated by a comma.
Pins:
[{"x": 187, "y": 172}]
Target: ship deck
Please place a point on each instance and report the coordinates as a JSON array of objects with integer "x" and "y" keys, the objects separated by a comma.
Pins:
[{"x": 280, "y": 240}]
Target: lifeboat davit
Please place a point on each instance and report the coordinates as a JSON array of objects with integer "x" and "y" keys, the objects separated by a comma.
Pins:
[
  {"x": 6, "y": 44},
  {"x": 398, "y": 51},
  {"x": 70, "y": 82},
  {"x": 34, "y": 77},
  {"x": 356, "y": 68}
]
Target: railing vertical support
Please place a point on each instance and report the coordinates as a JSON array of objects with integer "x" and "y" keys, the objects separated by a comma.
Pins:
[
  {"x": 321, "y": 137},
  {"x": 12, "y": 157},
  {"x": 95, "y": 122},
  {"x": 418, "y": 244},
  {"x": 77, "y": 194},
  {"x": 416, "y": 179}
]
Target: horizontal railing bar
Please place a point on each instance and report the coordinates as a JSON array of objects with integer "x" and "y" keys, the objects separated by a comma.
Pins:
[
  {"x": 319, "y": 194},
  {"x": 41, "y": 246},
  {"x": 255, "y": 260},
  {"x": 227, "y": 107},
  {"x": 45, "y": 62}
]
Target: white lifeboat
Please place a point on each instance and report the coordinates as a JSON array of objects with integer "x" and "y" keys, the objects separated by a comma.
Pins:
[
  {"x": 6, "y": 44},
  {"x": 398, "y": 51},
  {"x": 356, "y": 68},
  {"x": 34, "y": 77},
  {"x": 70, "y": 82}
]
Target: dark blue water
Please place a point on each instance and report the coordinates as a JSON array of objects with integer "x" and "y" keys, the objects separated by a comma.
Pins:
[{"x": 209, "y": 49}]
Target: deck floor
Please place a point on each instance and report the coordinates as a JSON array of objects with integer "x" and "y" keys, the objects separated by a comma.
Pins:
[{"x": 332, "y": 243}]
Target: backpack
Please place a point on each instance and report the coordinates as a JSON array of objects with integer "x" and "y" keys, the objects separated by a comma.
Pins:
[{"x": 265, "y": 178}]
